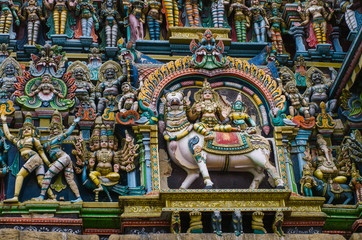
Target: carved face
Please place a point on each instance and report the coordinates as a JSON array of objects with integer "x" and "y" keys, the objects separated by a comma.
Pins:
[
  {"x": 174, "y": 100},
  {"x": 256, "y": 2},
  {"x": 78, "y": 73},
  {"x": 27, "y": 131},
  {"x": 55, "y": 130},
  {"x": 238, "y": 106},
  {"x": 104, "y": 143},
  {"x": 46, "y": 79},
  {"x": 292, "y": 89},
  {"x": 96, "y": 144},
  {"x": 10, "y": 69},
  {"x": 207, "y": 95},
  {"x": 110, "y": 73},
  {"x": 286, "y": 77},
  {"x": 126, "y": 87},
  {"x": 31, "y": 2},
  {"x": 111, "y": 143},
  {"x": 314, "y": 2},
  {"x": 316, "y": 78}
]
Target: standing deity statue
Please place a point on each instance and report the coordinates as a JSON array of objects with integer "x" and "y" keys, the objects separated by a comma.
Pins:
[
  {"x": 128, "y": 100},
  {"x": 277, "y": 28},
  {"x": 103, "y": 164},
  {"x": 32, "y": 15},
  {"x": 193, "y": 8},
  {"x": 241, "y": 18},
  {"x": 297, "y": 102},
  {"x": 171, "y": 9},
  {"x": 88, "y": 16},
  {"x": 316, "y": 13},
  {"x": 110, "y": 77},
  {"x": 9, "y": 70},
  {"x": 34, "y": 159},
  {"x": 317, "y": 91},
  {"x": 61, "y": 159},
  {"x": 259, "y": 20},
  {"x": 60, "y": 18},
  {"x": 307, "y": 182},
  {"x": 154, "y": 19},
  {"x": 7, "y": 15},
  {"x": 217, "y": 11},
  {"x": 85, "y": 92},
  {"x": 111, "y": 18},
  {"x": 136, "y": 19}
]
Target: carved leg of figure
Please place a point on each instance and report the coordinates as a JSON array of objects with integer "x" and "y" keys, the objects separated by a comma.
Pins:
[
  {"x": 259, "y": 175},
  {"x": 243, "y": 31},
  {"x": 94, "y": 177},
  {"x": 189, "y": 12},
  {"x": 84, "y": 26},
  {"x": 324, "y": 31},
  {"x": 89, "y": 26},
  {"x": 114, "y": 35},
  {"x": 56, "y": 19},
  {"x": 220, "y": 15},
  {"x": 30, "y": 32},
  {"x": 157, "y": 30},
  {"x": 214, "y": 12},
  {"x": 18, "y": 184},
  {"x": 274, "y": 174},
  {"x": 175, "y": 14},
  {"x": 36, "y": 31},
  {"x": 55, "y": 168},
  {"x": 8, "y": 22},
  {"x": 2, "y": 23},
  {"x": 151, "y": 27},
  {"x": 69, "y": 177},
  {"x": 101, "y": 106},
  {"x": 196, "y": 15},
  {"x": 291, "y": 111},
  {"x": 262, "y": 30},
  {"x": 63, "y": 20},
  {"x": 108, "y": 36},
  {"x": 192, "y": 175},
  {"x": 257, "y": 32},
  {"x": 49, "y": 191},
  {"x": 317, "y": 31},
  {"x": 200, "y": 158},
  {"x": 238, "y": 31},
  {"x": 169, "y": 5}
]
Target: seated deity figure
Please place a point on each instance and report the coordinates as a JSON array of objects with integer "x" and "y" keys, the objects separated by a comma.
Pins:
[
  {"x": 240, "y": 118},
  {"x": 9, "y": 70},
  {"x": 31, "y": 151},
  {"x": 318, "y": 92},
  {"x": 103, "y": 165},
  {"x": 46, "y": 88},
  {"x": 128, "y": 100},
  {"x": 208, "y": 110},
  {"x": 33, "y": 15},
  {"x": 111, "y": 77},
  {"x": 326, "y": 169},
  {"x": 297, "y": 102},
  {"x": 61, "y": 159}
]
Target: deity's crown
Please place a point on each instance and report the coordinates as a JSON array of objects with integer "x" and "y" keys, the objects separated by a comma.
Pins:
[
  {"x": 56, "y": 119},
  {"x": 109, "y": 132},
  {"x": 28, "y": 120},
  {"x": 96, "y": 132},
  {"x": 320, "y": 140},
  {"x": 104, "y": 132}
]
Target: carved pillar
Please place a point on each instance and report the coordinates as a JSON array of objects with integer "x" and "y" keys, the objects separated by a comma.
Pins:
[
  {"x": 150, "y": 148},
  {"x": 335, "y": 40},
  {"x": 282, "y": 136},
  {"x": 298, "y": 34}
]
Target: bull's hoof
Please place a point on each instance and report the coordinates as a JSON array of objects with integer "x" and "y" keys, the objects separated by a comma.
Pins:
[
  {"x": 208, "y": 187},
  {"x": 280, "y": 187}
]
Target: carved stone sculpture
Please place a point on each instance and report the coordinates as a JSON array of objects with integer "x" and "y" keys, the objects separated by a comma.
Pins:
[{"x": 240, "y": 14}]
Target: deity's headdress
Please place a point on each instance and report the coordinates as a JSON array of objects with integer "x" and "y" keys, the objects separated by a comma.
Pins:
[
  {"x": 206, "y": 87},
  {"x": 96, "y": 133},
  {"x": 104, "y": 132},
  {"x": 56, "y": 120},
  {"x": 110, "y": 134},
  {"x": 29, "y": 123}
]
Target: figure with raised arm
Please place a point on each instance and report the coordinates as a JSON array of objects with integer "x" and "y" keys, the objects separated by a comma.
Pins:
[{"x": 26, "y": 142}]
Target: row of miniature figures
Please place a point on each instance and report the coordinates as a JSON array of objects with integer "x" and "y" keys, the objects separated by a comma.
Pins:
[{"x": 83, "y": 18}]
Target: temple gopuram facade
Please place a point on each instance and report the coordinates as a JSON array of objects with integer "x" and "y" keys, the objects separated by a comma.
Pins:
[{"x": 180, "y": 119}]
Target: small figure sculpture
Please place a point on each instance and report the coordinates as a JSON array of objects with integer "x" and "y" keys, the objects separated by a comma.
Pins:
[
  {"x": 33, "y": 16},
  {"x": 9, "y": 70},
  {"x": 46, "y": 89},
  {"x": 317, "y": 92},
  {"x": 136, "y": 19},
  {"x": 240, "y": 117},
  {"x": 277, "y": 28},
  {"x": 103, "y": 160},
  {"x": 192, "y": 12},
  {"x": 297, "y": 102},
  {"x": 94, "y": 63},
  {"x": 87, "y": 16},
  {"x": 128, "y": 100},
  {"x": 316, "y": 13},
  {"x": 60, "y": 16},
  {"x": 356, "y": 182},
  {"x": 154, "y": 19},
  {"x": 7, "y": 15},
  {"x": 237, "y": 218},
  {"x": 277, "y": 224},
  {"x": 85, "y": 92},
  {"x": 175, "y": 222},
  {"x": 216, "y": 222},
  {"x": 259, "y": 20},
  {"x": 307, "y": 182},
  {"x": 61, "y": 159},
  {"x": 208, "y": 108},
  {"x": 111, "y": 18},
  {"x": 241, "y": 19},
  {"x": 34, "y": 160},
  {"x": 171, "y": 9},
  {"x": 217, "y": 10},
  {"x": 257, "y": 223},
  {"x": 110, "y": 77}
]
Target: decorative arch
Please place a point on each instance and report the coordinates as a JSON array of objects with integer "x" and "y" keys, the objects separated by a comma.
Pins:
[{"x": 157, "y": 81}]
